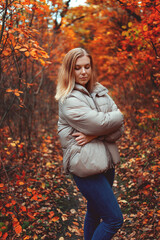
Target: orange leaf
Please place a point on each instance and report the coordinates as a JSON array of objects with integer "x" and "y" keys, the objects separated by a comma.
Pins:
[
  {"x": 21, "y": 183},
  {"x": 27, "y": 237},
  {"x": 145, "y": 221},
  {"x": 155, "y": 168},
  {"x": 27, "y": 54},
  {"x": 1, "y": 185},
  {"x": 158, "y": 212},
  {"x": 6, "y": 53},
  {"x": 51, "y": 214},
  {"x": 23, "y": 208},
  {"x": 34, "y": 198},
  {"x": 9, "y": 90},
  {"x": 68, "y": 234},
  {"x": 55, "y": 219},
  {"x": 31, "y": 216},
  {"x": 29, "y": 189},
  {"x": 18, "y": 228},
  {"x": 34, "y": 54},
  {"x": 13, "y": 202},
  {"x": 8, "y": 204},
  {"x": 145, "y": 192}
]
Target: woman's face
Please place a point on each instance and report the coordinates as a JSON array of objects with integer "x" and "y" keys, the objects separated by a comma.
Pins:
[{"x": 83, "y": 70}]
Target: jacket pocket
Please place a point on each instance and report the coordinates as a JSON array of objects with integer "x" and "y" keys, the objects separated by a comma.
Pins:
[{"x": 90, "y": 159}]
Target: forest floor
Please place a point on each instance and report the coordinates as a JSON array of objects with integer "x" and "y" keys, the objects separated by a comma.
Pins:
[{"x": 39, "y": 202}]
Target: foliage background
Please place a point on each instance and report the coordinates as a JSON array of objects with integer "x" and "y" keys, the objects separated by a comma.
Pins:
[{"x": 124, "y": 38}]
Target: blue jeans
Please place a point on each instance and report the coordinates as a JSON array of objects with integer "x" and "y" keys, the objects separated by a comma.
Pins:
[{"x": 103, "y": 217}]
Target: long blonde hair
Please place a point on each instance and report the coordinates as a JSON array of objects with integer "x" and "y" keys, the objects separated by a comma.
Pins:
[{"x": 66, "y": 76}]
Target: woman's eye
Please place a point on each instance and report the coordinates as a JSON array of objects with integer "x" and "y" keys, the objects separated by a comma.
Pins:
[
  {"x": 77, "y": 68},
  {"x": 87, "y": 67}
]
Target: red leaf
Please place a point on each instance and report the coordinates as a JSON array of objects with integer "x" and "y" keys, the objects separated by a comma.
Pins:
[{"x": 5, "y": 236}]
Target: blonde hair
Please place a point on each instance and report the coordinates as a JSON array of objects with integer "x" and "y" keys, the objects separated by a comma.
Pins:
[{"x": 66, "y": 76}]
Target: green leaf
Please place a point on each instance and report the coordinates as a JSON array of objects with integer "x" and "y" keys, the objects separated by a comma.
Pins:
[{"x": 25, "y": 224}]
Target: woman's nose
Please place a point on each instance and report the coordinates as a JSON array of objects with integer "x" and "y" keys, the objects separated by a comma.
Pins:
[{"x": 83, "y": 70}]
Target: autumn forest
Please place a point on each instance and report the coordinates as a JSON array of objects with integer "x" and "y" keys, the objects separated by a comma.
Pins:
[{"x": 38, "y": 201}]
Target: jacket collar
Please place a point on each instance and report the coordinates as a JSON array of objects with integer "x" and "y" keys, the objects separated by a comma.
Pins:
[
  {"x": 81, "y": 88},
  {"x": 99, "y": 89}
]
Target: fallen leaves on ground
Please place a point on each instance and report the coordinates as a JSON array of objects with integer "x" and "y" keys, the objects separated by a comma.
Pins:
[{"x": 39, "y": 202}]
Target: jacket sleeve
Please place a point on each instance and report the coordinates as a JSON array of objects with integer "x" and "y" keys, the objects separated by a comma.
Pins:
[
  {"x": 81, "y": 117},
  {"x": 113, "y": 137}
]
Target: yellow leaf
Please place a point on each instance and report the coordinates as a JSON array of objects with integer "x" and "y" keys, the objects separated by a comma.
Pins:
[
  {"x": 23, "y": 49},
  {"x": 43, "y": 185},
  {"x": 44, "y": 54},
  {"x": 124, "y": 33},
  {"x": 27, "y": 237},
  {"x": 42, "y": 62},
  {"x": 123, "y": 201},
  {"x": 13, "y": 144},
  {"x": 17, "y": 47},
  {"x": 73, "y": 211},
  {"x": 64, "y": 217},
  {"x": 48, "y": 164},
  {"x": 130, "y": 24},
  {"x": 145, "y": 28}
]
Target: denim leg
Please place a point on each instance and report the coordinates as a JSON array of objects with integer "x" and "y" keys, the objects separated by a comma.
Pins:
[
  {"x": 92, "y": 220},
  {"x": 110, "y": 175},
  {"x": 102, "y": 204}
]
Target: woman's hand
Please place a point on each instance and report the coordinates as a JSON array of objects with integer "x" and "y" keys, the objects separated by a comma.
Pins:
[{"x": 82, "y": 139}]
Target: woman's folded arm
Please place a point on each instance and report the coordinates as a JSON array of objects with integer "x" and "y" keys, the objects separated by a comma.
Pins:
[{"x": 88, "y": 121}]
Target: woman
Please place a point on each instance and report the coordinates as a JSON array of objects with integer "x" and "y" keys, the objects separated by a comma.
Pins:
[{"x": 89, "y": 125}]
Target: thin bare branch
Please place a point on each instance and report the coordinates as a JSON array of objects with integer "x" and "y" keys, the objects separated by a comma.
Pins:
[
  {"x": 133, "y": 14},
  {"x": 3, "y": 20},
  {"x": 7, "y": 111},
  {"x": 76, "y": 19}
]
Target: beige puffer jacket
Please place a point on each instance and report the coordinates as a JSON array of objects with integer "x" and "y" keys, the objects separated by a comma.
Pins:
[{"x": 91, "y": 114}]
